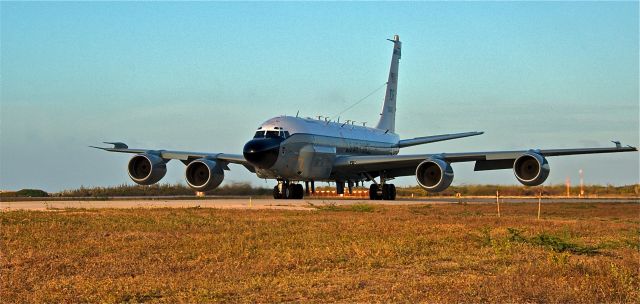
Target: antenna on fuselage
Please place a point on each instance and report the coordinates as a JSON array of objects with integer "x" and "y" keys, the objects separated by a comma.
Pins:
[{"x": 297, "y": 113}]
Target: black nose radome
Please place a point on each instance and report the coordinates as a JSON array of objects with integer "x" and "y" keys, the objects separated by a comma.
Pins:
[{"x": 262, "y": 152}]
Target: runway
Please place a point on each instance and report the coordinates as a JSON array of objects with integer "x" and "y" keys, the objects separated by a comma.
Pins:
[{"x": 269, "y": 203}]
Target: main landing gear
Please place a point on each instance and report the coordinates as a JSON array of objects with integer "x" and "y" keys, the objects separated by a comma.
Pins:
[
  {"x": 382, "y": 192},
  {"x": 287, "y": 190}
]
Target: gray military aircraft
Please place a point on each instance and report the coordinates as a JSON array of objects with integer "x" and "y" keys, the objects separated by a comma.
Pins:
[{"x": 292, "y": 150}]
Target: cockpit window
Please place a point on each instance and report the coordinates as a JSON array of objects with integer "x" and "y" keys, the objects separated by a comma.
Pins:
[{"x": 272, "y": 134}]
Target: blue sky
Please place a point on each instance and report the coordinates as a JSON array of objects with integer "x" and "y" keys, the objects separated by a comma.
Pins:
[{"x": 202, "y": 76}]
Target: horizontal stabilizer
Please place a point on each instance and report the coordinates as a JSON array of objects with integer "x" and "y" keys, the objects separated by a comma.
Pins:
[
  {"x": 435, "y": 138},
  {"x": 117, "y": 145}
]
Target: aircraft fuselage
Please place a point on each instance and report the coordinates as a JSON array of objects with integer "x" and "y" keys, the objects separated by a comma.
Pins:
[{"x": 301, "y": 149}]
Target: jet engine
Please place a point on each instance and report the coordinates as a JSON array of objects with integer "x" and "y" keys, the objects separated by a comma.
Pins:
[
  {"x": 204, "y": 174},
  {"x": 531, "y": 169},
  {"x": 146, "y": 169},
  {"x": 434, "y": 175}
]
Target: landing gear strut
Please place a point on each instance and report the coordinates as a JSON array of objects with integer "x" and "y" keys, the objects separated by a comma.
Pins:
[{"x": 287, "y": 190}]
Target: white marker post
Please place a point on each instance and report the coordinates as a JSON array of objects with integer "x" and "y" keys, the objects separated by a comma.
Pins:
[
  {"x": 498, "y": 201},
  {"x": 539, "y": 203},
  {"x": 581, "y": 183}
]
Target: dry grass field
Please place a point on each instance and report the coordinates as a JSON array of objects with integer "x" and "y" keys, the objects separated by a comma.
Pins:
[{"x": 584, "y": 252}]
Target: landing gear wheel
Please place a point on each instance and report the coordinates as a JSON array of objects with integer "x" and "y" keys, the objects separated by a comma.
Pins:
[
  {"x": 389, "y": 192},
  {"x": 288, "y": 191},
  {"x": 393, "y": 192},
  {"x": 298, "y": 191},
  {"x": 276, "y": 193},
  {"x": 373, "y": 192}
]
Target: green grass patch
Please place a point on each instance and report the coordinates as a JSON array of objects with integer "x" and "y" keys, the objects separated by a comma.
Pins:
[
  {"x": 553, "y": 242},
  {"x": 353, "y": 208},
  {"x": 581, "y": 206},
  {"x": 561, "y": 245}
]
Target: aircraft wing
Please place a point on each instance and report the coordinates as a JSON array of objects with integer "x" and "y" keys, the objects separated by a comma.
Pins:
[
  {"x": 183, "y": 156},
  {"x": 404, "y": 165}
]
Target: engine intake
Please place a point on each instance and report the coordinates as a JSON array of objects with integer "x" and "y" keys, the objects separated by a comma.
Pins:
[
  {"x": 146, "y": 169},
  {"x": 204, "y": 174},
  {"x": 434, "y": 175},
  {"x": 531, "y": 169}
]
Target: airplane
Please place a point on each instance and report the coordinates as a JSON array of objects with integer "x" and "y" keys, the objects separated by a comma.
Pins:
[{"x": 293, "y": 150}]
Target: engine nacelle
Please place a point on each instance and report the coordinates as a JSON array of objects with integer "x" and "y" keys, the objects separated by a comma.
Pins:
[
  {"x": 531, "y": 169},
  {"x": 146, "y": 169},
  {"x": 204, "y": 174},
  {"x": 434, "y": 175}
]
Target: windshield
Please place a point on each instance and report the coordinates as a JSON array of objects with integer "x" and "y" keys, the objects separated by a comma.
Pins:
[{"x": 272, "y": 134}]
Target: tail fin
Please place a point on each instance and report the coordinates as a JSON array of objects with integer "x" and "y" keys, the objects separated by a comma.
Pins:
[{"x": 388, "y": 115}]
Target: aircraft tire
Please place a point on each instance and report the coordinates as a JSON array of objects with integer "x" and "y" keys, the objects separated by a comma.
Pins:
[
  {"x": 385, "y": 192},
  {"x": 276, "y": 193},
  {"x": 392, "y": 192},
  {"x": 298, "y": 191},
  {"x": 373, "y": 192},
  {"x": 389, "y": 192},
  {"x": 288, "y": 191}
]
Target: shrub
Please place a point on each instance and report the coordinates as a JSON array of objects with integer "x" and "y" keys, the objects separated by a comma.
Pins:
[{"x": 31, "y": 193}]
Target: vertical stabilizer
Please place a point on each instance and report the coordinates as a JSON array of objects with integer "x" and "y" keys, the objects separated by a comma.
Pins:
[{"x": 388, "y": 115}]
